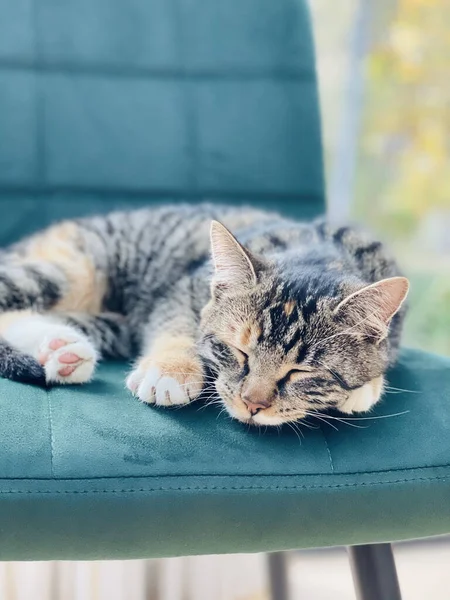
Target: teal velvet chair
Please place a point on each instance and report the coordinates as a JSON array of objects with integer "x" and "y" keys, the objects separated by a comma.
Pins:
[{"x": 108, "y": 104}]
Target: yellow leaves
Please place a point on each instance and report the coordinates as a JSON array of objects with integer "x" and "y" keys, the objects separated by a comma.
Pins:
[
  {"x": 406, "y": 136},
  {"x": 407, "y": 45},
  {"x": 406, "y": 41},
  {"x": 409, "y": 71},
  {"x": 379, "y": 63},
  {"x": 403, "y": 176},
  {"x": 405, "y": 4},
  {"x": 431, "y": 140},
  {"x": 417, "y": 40}
]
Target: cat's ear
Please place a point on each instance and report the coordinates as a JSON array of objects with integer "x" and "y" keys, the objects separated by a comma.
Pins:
[
  {"x": 234, "y": 267},
  {"x": 373, "y": 307}
]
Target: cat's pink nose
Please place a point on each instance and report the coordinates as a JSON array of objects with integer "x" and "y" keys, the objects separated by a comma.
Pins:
[{"x": 254, "y": 406}]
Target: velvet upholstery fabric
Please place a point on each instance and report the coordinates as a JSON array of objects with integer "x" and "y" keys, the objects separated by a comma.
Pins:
[
  {"x": 108, "y": 104},
  {"x": 89, "y": 472}
]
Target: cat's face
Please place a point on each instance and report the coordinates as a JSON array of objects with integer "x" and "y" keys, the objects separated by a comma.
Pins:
[{"x": 278, "y": 355}]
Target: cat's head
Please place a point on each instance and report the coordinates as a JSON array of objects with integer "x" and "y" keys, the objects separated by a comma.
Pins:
[{"x": 283, "y": 344}]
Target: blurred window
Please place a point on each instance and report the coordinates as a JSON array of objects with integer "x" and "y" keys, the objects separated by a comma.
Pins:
[{"x": 384, "y": 75}]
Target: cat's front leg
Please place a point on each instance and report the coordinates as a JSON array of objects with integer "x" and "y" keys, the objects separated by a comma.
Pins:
[{"x": 170, "y": 373}]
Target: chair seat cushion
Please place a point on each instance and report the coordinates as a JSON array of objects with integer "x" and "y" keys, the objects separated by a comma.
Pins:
[{"x": 89, "y": 472}]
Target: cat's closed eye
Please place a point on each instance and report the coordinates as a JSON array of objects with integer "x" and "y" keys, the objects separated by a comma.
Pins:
[
  {"x": 296, "y": 374},
  {"x": 241, "y": 356}
]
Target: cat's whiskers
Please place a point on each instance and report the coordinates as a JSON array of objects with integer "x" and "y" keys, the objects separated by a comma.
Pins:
[
  {"x": 346, "y": 419},
  {"x": 323, "y": 419},
  {"x": 211, "y": 400},
  {"x": 211, "y": 391},
  {"x": 307, "y": 425},
  {"x": 341, "y": 420},
  {"x": 296, "y": 431},
  {"x": 212, "y": 404},
  {"x": 224, "y": 410},
  {"x": 399, "y": 414},
  {"x": 394, "y": 390}
]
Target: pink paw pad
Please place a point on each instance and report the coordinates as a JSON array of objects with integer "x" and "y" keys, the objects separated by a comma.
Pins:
[
  {"x": 57, "y": 344},
  {"x": 68, "y": 360},
  {"x": 53, "y": 345},
  {"x": 67, "y": 356},
  {"x": 66, "y": 371}
]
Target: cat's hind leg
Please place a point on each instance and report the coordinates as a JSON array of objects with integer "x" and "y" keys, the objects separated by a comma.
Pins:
[
  {"x": 60, "y": 347},
  {"x": 65, "y": 353}
]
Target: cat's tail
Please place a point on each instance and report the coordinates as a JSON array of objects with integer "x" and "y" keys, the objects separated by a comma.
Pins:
[
  {"x": 38, "y": 285},
  {"x": 22, "y": 286},
  {"x": 17, "y": 366}
]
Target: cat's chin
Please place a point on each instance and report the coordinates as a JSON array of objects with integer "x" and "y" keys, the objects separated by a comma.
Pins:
[
  {"x": 258, "y": 420},
  {"x": 264, "y": 421}
]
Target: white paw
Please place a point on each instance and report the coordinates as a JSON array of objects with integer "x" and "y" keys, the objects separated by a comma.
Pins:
[
  {"x": 363, "y": 398},
  {"x": 67, "y": 356},
  {"x": 153, "y": 384}
]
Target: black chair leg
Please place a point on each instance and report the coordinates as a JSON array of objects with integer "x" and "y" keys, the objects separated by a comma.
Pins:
[
  {"x": 278, "y": 575},
  {"x": 374, "y": 572}
]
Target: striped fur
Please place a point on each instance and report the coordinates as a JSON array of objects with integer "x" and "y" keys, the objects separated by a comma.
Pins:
[{"x": 139, "y": 283}]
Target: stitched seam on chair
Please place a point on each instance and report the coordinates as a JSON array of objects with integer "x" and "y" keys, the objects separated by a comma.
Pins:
[
  {"x": 50, "y": 423},
  {"x": 189, "y": 105},
  {"x": 307, "y": 197},
  {"x": 328, "y": 450},
  {"x": 223, "y": 475},
  {"x": 40, "y": 146},
  {"x": 228, "y": 488},
  {"x": 245, "y": 74}
]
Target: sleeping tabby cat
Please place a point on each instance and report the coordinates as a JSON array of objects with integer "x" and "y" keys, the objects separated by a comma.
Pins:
[{"x": 298, "y": 318}]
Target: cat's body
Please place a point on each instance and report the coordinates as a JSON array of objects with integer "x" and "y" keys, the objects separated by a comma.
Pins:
[{"x": 138, "y": 283}]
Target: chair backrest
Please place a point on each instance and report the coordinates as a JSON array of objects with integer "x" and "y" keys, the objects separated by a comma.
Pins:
[{"x": 113, "y": 103}]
